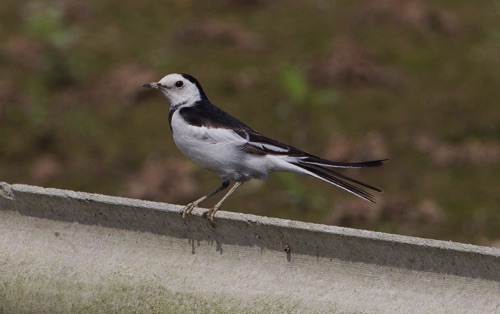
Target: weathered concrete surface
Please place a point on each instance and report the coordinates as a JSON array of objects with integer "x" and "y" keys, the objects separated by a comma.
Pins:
[{"x": 64, "y": 251}]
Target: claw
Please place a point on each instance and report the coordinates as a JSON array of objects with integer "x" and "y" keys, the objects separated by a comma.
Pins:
[
  {"x": 211, "y": 219},
  {"x": 187, "y": 210},
  {"x": 211, "y": 215}
]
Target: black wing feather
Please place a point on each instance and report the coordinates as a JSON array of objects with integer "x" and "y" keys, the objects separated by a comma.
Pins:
[{"x": 203, "y": 113}]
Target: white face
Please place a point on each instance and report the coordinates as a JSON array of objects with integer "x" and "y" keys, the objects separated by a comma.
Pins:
[{"x": 178, "y": 90}]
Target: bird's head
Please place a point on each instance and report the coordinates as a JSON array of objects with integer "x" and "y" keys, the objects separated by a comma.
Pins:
[{"x": 180, "y": 89}]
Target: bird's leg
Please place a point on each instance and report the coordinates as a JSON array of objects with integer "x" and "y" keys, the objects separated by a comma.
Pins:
[
  {"x": 211, "y": 212},
  {"x": 189, "y": 207}
]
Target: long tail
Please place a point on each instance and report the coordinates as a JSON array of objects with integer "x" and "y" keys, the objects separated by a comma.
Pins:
[
  {"x": 317, "y": 167},
  {"x": 336, "y": 164}
]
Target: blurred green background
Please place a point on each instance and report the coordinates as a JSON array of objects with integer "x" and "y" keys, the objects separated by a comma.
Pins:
[{"x": 414, "y": 81}]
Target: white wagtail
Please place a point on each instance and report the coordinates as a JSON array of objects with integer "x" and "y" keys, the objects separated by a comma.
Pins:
[{"x": 221, "y": 143}]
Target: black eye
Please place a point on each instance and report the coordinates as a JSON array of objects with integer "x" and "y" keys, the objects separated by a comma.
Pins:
[{"x": 179, "y": 84}]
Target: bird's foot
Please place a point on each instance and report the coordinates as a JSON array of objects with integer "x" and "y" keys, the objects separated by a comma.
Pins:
[
  {"x": 188, "y": 209},
  {"x": 211, "y": 215}
]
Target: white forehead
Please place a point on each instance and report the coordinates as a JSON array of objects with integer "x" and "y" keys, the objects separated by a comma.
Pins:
[{"x": 170, "y": 79}]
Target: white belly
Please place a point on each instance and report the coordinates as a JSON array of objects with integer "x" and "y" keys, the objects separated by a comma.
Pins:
[{"x": 218, "y": 150}]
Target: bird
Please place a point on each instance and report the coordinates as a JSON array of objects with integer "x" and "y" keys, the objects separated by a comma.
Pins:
[{"x": 217, "y": 141}]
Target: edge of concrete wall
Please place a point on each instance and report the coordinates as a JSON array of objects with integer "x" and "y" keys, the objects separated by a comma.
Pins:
[{"x": 244, "y": 232}]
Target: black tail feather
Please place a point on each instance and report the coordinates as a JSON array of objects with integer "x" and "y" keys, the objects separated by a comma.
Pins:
[
  {"x": 334, "y": 177},
  {"x": 328, "y": 163},
  {"x": 343, "y": 176}
]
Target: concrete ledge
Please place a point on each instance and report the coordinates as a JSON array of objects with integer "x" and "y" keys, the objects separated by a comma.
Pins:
[{"x": 66, "y": 251}]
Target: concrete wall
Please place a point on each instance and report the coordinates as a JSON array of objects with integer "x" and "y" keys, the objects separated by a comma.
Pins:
[{"x": 66, "y": 252}]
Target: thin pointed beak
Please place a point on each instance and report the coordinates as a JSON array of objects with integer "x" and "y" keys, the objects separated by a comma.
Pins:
[{"x": 152, "y": 85}]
